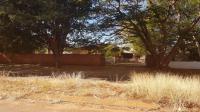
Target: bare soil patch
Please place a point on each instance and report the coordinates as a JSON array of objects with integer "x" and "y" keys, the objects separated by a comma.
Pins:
[{"x": 78, "y": 104}]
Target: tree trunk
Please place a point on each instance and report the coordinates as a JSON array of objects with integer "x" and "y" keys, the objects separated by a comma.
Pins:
[
  {"x": 166, "y": 59},
  {"x": 57, "y": 62},
  {"x": 153, "y": 61},
  {"x": 198, "y": 45},
  {"x": 57, "y": 49},
  {"x": 49, "y": 50}
]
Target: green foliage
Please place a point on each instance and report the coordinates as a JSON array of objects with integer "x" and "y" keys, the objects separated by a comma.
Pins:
[
  {"x": 112, "y": 51},
  {"x": 161, "y": 26},
  {"x": 26, "y": 25},
  {"x": 139, "y": 49}
]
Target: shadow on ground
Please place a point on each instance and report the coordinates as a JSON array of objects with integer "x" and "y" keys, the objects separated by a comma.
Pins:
[{"x": 119, "y": 72}]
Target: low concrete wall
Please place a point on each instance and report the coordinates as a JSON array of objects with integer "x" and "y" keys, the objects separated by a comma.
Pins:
[
  {"x": 48, "y": 59},
  {"x": 184, "y": 65}
]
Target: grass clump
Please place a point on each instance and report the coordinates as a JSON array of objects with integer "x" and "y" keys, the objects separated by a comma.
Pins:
[{"x": 162, "y": 86}]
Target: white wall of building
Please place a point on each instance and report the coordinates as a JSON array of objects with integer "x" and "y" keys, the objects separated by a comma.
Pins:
[{"x": 185, "y": 65}]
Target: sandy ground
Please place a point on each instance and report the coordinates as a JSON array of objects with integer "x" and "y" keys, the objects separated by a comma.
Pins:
[{"x": 79, "y": 104}]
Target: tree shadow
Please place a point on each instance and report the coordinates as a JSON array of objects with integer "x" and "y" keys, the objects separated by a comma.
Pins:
[{"x": 108, "y": 72}]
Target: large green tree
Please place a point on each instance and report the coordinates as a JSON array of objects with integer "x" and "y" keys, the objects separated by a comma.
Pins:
[
  {"x": 15, "y": 31},
  {"x": 29, "y": 24},
  {"x": 163, "y": 26},
  {"x": 48, "y": 20}
]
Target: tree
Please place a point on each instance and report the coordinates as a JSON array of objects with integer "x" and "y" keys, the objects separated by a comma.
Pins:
[
  {"x": 162, "y": 26},
  {"x": 113, "y": 51},
  {"x": 189, "y": 51},
  {"x": 137, "y": 45},
  {"x": 16, "y": 37},
  {"x": 46, "y": 21}
]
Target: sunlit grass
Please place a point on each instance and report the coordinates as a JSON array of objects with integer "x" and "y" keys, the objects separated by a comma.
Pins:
[
  {"x": 157, "y": 87},
  {"x": 165, "y": 86}
]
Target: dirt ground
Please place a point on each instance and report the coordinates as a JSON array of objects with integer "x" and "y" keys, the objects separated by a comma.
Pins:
[
  {"x": 82, "y": 104},
  {"x": 79, "y": 104}
]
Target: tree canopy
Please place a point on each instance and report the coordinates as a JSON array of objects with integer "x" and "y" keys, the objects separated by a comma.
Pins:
[
  {"x": 162, "y": 26},
  {"x": 30, "y": 24},
  {"x": 158, "y": 28}
]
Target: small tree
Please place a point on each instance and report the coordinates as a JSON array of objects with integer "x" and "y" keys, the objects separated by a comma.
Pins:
[{"x": 113, "y": 51}]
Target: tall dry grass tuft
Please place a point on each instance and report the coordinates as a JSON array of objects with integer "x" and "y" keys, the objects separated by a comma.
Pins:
[
  {"x": 4, "y": 74},
  {"x": 162, "y": 86}
]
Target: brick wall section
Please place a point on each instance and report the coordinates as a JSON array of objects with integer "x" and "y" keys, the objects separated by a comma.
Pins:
[{"x": 48, "y": 59}]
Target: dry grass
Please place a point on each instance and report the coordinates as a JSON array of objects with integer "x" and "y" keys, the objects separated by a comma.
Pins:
[
  {"x": 168, "y": 87},
  {"x": 159, "y": 87}
]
